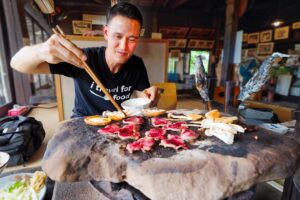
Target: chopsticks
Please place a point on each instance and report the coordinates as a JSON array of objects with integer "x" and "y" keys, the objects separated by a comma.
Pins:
[{"x": 58, "y": 31}]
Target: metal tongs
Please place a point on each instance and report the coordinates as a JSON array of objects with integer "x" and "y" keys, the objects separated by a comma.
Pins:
[{"x": 58, "y": 31}]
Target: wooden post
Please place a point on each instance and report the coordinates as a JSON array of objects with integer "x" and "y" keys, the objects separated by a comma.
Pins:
[
  {"x": 297, "y": 118},
  {"x": 154, "y": 22},
  {"x": 291, "y": 184},
  {"x": 231, "y": 23},
  {"x": 229, "y": 95}
]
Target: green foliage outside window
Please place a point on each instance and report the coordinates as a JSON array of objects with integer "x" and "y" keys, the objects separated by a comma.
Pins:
[{"x": 193, "y": 54}]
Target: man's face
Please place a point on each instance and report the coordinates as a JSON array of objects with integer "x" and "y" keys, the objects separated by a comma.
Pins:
[{"x": 122, "y": 35}]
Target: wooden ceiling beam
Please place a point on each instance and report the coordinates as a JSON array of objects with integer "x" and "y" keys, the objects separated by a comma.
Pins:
[
  {"x": 66, "y": 5},
  {"x": 146, "y": 2},
  {"x": 164, "y": 3},
  {"x": 178, "y": 3}
]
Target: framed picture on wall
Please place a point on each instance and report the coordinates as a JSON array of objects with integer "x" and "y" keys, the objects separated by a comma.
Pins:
[
  {"x": 79, "y": 26},
  {"x": 296, "y": 25},
  {"x": 192, "y": 43},
  {"x": 265, "y": 36},
  {"x": 249, "y": 52},
  {"x": 245, "y": 37},
  {"x": 253, "y": 38},
  {"x": 265, "y": 48},
  {"x": 181, "y": 43},
  {"x": 177, "y": 43},
  {"x": 209, "y": 44},
  {"x": 201, "y": 44},
  {"x": 173, "y": 31},
  {"x": 201, "y": 33},
  {"x": 172, "y": 43},
  {"x": 175, "y": 53},
  {"x": 281, "y": 33}
]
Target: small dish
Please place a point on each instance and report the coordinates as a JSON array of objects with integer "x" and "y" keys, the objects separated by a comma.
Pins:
[
  {"x": 10, "y": 179},
  {"x": 4, "y": 158},
  {"x": 136, "y": 104}
]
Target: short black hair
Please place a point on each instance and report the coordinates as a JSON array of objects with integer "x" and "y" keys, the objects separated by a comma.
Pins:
[{"x": 125, "y": 9}]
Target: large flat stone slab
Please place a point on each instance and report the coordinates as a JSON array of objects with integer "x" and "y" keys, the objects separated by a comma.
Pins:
[
  {"x": 211, "y": 170},
  {"x": 78, "y": 191}
]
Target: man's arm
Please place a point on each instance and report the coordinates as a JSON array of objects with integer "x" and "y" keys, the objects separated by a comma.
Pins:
[
  {"x": 27, "y": 60},
  {"x": 36, "y": 59}
]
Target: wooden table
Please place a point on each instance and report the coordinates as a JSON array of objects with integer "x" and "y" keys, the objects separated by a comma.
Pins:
[{"x": 213, "y": 170}]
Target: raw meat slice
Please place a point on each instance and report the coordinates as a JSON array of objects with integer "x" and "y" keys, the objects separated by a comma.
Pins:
[
  {"x": 173, "y": 141},
  {"x": 177, "y": 126},
  {"x": 134, "y": 146},
  {"x": 156, "y": 133},
  {"x": 134, "y": 120},
  {"x": 147, "y": 143},
  {"x": 144, "y": 144},
  {"x": 188, "y": 135},
  {"x": 110, "y": 129},
  {"x": 159, "y": 122},
  {"x": 129, "y": 132}
]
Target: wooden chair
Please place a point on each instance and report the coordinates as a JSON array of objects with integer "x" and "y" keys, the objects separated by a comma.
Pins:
[{"x": 168, "y": 98}]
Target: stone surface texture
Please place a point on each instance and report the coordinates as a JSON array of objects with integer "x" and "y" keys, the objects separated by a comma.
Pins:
[{"x": 209, "y": 170}]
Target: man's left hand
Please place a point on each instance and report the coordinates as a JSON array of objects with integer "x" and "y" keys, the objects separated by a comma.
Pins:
[{"x": 151, "y": 93}]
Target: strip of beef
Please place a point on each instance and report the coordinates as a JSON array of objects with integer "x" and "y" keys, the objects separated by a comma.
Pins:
[
  {"x": 134, "y": 146},
  {"x": 144, "y": 144},
  {"x": 173, "y": 141},
  {"x": 188, "y": 135},
  {"x": 159, "y": 122},
  {"x": 133, "y": 120},
  {"x": 110, "y": 129},
  {"x": 156, "y": 133},
  {"x": 177, "y": 126},
  {"x": 129, "y": 131}
]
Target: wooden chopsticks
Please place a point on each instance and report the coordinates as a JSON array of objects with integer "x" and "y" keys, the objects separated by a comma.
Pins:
[{"x": 60, "y": 32}]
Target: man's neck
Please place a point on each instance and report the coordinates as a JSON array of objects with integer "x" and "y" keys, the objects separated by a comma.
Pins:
[{"x": 113, "y": 67}]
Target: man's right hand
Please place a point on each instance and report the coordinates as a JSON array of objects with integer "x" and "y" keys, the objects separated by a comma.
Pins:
[
  {"x": 59, "y": 49},
  {"x": 35, "y": 59}
]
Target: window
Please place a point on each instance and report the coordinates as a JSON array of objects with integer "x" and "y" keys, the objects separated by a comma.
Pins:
[
  {"x": 38, "y": 35},
  {"x": 204, "y": 54},
  {"x": 6, "y": 92},
  {"x": 172, "y": 65},
  {"x": 5, "y": 89}
]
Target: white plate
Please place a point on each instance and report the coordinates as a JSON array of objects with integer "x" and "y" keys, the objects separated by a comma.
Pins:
[
  {"x": 9, "y": 179},
  {"x": 136, "y": 104}
]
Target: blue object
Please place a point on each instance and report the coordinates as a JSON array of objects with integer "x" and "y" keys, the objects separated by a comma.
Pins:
[
  {"x": 173, "y": 77},
  {"x": 247, "y": 68}
]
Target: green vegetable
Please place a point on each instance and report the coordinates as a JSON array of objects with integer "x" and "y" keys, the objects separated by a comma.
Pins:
[
  {"x": 19, "y": 190},
  {"x": 16, "y": 185}
]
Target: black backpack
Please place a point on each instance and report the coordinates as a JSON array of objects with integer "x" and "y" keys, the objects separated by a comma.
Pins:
[{"x": 20, "y": 137}]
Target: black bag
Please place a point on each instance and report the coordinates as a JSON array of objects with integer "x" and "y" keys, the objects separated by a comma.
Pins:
[{"x": 20, "y": 137}]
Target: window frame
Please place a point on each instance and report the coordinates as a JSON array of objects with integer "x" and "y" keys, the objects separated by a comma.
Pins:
[
  {"x": 4, "y": 46},
  {"x": 14, "y": 23}
]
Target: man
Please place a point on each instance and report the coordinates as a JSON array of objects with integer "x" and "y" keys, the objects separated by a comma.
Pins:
[{"x": 118, "y": 69}]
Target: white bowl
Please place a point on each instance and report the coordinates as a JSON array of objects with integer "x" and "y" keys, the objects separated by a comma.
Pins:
[
  {"x": 136, "y": 104},
  {"x": 4, "y": 157}
]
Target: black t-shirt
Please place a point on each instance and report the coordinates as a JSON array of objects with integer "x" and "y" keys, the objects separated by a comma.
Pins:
[{"x": 89, "y": 99}]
